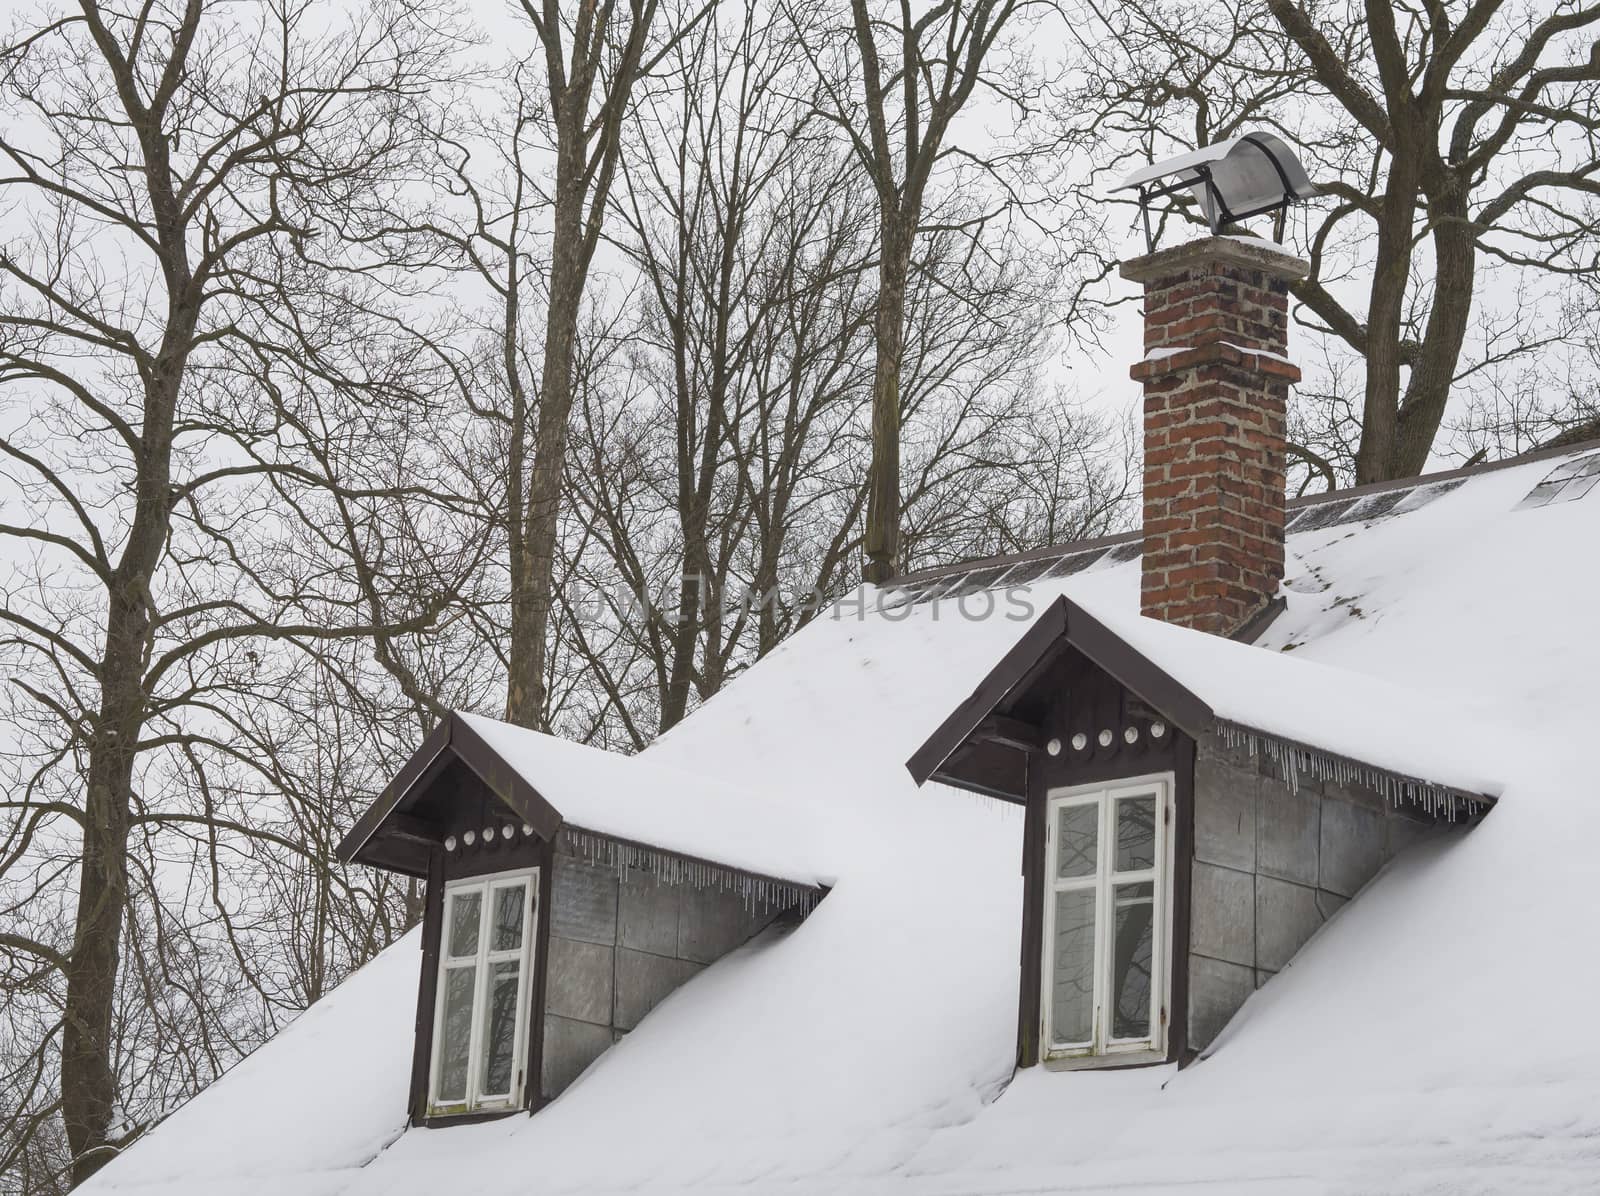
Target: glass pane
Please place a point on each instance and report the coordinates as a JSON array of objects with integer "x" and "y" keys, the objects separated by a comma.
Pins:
[
  {"x": 455, "y": 1035},
  {"x": 501, "y": 1028},
  {"x": 1130, "y": 962},
  {"x": 465, "y": 913},
  {"x": 507, "y": 933},
  {"x": 1072, "y": 962},
  {"x": 1136, "y": 833},
  {"x": 1077, "y": 837}
]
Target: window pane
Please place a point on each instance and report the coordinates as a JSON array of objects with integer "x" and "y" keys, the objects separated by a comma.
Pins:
[
  {"x": 1130, "y": 962},
  {"x": 455, "y": 1035},
  {"x": 465, "y": 913},
  {"x": 507, "y": 934},
  {"x": 1136, "y": 833},
  {"x": 1077, "y": 837},
  {"x": 1072, "y": 977},
  {"x": 501, "y": 1028}
]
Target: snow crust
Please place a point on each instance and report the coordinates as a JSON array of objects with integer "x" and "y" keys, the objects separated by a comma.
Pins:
[
  {"x": 1259, "y": 243},
  {"x": 1166, "y": 351},
  {"x": 1435, "y": 1036},
  {"x": 636, "y": 798}
]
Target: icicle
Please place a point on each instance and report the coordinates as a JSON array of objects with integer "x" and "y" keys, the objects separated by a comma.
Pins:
[
  {"x": 758, "y": 893},
  {"x": 1291, "y": 759}
]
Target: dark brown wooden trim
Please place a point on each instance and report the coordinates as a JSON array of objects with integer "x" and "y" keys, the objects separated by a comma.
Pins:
[
  {"x": 504, "y": 781},
  {"x": 1062, "y": 622},
  {"x": 371, "y": 840},
  {"x": 1036, "y": 642},
  {"x": 966, "y": 769},
  {"x": 489, "y": 860},
  {"x": 1182, "y": 901},
  {"x": 533, "y": 1089},
  {"x": 1010, "y": 732},
  {"x": 1030, "y": 972},
  {"x": 1136, "y": 671},
  {"x": 406, "y": 856},
  {"x": 410, "y": 772},
  {"x": 427, "y": 986},
  {"x": 418, "y": 830}
]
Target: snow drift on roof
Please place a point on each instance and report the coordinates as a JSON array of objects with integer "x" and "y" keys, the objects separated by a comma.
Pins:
[
  {"x": 637, "y": 799},
  {"x": 1430, "y": 1039},
  {"x": 1402, "y": 729}
]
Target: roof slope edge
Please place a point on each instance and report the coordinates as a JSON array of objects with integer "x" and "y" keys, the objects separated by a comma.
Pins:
[{"x": 1410, "y": 745}]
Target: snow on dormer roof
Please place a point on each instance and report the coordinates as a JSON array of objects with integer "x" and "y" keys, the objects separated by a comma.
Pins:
[
  {"x": 1425, "y": 748},
  {"x": 551, "y": 783}
]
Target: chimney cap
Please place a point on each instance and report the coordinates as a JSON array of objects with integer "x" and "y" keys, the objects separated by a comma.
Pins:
[{"x": 1232, "y": 180}]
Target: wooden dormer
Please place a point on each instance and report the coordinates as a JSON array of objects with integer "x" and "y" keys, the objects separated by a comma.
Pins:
[
  {"x": 563, "y": 903},
  {"x": 1173, "y": 860}
]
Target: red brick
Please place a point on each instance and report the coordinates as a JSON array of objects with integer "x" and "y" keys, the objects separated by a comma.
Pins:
[{"x": 1214, "y": 452}]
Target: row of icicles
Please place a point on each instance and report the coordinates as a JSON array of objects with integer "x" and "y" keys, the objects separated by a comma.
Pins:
[
  {"x": 1292, "y": 759},
  {"x": 757, "y": 892}
]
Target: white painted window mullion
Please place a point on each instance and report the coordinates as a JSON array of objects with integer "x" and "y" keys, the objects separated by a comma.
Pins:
[
  {"x": 479, "y": 1000},
  {"x": 1104, "y": 884},
  {"x": 482, "y": 965}
]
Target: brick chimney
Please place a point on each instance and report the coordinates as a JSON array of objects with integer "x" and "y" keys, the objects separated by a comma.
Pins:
[{"x": 1216, "y": 383}]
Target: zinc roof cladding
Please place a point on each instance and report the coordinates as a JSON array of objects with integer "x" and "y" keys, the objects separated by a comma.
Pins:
[
  {"x": 1572, "y": 477},
  {"x": 1570, "y": 480}
]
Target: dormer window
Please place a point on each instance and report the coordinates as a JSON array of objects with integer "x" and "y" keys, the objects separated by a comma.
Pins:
[
  {"x": 480, "y": 1035},
  {"x": 569, "y": 891},
  {"x": 1107, "y": 920},
  {"x": 1174, "y": 860}
]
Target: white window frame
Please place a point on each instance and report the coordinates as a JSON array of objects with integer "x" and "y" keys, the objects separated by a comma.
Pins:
[
  {"x": 476, "y": 1101},
  {"x": 1102, "y": 1047}
]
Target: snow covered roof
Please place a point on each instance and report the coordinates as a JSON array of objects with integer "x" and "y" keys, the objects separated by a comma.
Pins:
[
  {"x": 1433, "y": 1037},
  {"x": 552, "y": 782},
  {"x": 1426, "y": 748}
]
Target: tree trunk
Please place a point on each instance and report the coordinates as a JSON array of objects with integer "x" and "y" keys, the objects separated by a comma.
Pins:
[
  {"x": 88, "y": 1082},
  {"x": 700, "y": 579},
  {"x": 516, "y": 483},
  {"x": 533, "y": 583},
  {"x": 694, "y": 569},
  {"x": 1428, "y": 393},
  {"x": 883, "y": 489},
  {"x": 1385, "y": 311}
]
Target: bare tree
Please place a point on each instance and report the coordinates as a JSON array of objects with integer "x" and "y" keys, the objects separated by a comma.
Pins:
[
  {"x": 1446, "y": 136},
  {"x": 1488, "y": 119},
  {"x": 258, "y": 521},
  {"x": 593, "y": 61},
  {"x": 915, "y": 74},
  {"x": 188, "y": 318},
  {"x": 715, "y": 166},
  {"x": 718, "y": 478}
]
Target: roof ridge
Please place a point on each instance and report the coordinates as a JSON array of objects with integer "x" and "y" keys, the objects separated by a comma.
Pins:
[{"x": 1073, "y": 547}]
